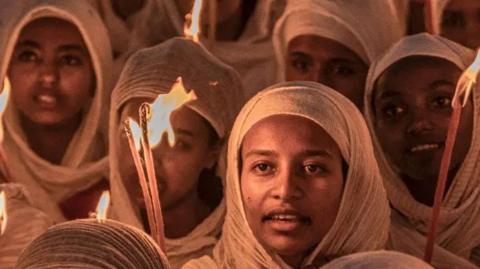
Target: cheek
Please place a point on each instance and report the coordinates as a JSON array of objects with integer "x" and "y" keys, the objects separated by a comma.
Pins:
[{"x": 77, "y": 84}]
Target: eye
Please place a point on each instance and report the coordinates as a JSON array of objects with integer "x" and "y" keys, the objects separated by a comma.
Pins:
[
  {"x": 442, "y": 102},
  {"x": 301, "y": 65},
  {"x": 28, "y": 56},
  {"x": 71, "y": 60},
  {"x": 393, "y": 110},
  {"x": 343, "y": 70},
  {"x": 263, "y": 168},
  {"x": 182, "y": 145},
  {"x": 314, "y": 169}
]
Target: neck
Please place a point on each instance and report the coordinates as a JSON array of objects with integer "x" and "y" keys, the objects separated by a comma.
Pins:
[
  {"x": 180, "y": 219},
  {"x": 423, "y": 190},
  {"x": 125, "y": 9},
  {"x": 294, "y": 261},
  {"x": 50, "y": 142}
]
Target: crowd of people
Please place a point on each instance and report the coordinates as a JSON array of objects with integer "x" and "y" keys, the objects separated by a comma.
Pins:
[{"x": 315, "y": 138}]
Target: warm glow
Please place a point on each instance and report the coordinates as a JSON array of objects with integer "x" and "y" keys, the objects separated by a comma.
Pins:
[
  {"x": 163, "y": 107},
  {"x": 3, "y": 212},
  {"x": 467, "y": 81},
  {"x": 102, "y": 207},
  {"x": 136, "y": 133},
  {"x": 3, "y": 100},
  {"x": 192, "y": 28}
]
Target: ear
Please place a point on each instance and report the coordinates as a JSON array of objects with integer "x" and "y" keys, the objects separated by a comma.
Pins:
[{"x": 213, "y": 154}]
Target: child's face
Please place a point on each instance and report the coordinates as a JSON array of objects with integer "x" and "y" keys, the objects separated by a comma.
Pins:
[
  {"x": 412, "y": 104},
  {"x": 461, "y": 22},
  {"x": 177, "y": 168},
  {"x": 314, "y": 58},
  {"x": 292, "y": 184},
  {"x": 51, "y": 72}
]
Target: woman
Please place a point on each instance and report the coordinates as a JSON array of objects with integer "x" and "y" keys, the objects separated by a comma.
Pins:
[
  {"x": 458, "y": 20},
  {"x": 321, "y": 41},
  {"x": 409, "y": 92},
  {"x": 303, "y": 186},
  {"x": 190, "y": 190},
  {"x": 88, "y": 244},
  {"x": 57, "y": 57},
  {"x": 23, "y": 223}
]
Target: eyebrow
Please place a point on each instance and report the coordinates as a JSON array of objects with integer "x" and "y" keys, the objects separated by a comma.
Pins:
[
  {"x": 305, "y": 153},
  {"x": 180, "y": 131},
  {"x": 66, "y": 47},
  {"x": 260, "y": 152},
  {"x": 388, "y": 94},
  {"x": 439, "y": 83}
]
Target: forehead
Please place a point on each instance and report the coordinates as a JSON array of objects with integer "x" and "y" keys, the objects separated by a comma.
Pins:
[
  {"x": 315, "y": 45},
  {"x": 53, "y": 30},
  {"x": 288, "y": 133},
  {"x": 415, "y": 73}
]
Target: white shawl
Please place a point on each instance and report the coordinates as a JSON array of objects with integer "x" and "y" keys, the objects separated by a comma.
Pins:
[
  {"x": 151, "y": 72},
  {"x": 84, "y": 162},
  {"x": 367, "y": 27},
  {"x": 459, "y": 226},
  {"x": 363, "y": 205}
]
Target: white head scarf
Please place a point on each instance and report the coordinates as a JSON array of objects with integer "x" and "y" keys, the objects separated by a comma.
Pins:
[
  {"x": 84, "y": 162},
  {"x": 459, "y": 230},
  {"x": 151, "y": 72},
  {"x": 366, "y": 27},
  {"x": 90, "y": 244},
  {"x": 24, "y": 223},
  {"x": 377, "y": 260},
  {"x": 363, "y": 203}
]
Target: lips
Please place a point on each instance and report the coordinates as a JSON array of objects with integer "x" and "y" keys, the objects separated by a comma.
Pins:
[
  {"x": 285, "y": 220},
  {"x": 46, "y": 100}
]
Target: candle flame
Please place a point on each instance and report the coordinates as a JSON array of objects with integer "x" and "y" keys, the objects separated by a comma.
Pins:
[
  {"x": 192, "y": 28},
  {"x": 102, "y": 207},
  {"x": 163, "y": 107},
  {"x": 467, "y": 81},
  {"x": 3, "y": 212}
]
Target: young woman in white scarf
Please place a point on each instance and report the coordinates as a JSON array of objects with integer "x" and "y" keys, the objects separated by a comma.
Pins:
[
  {"x": 303, "y": 186},
  {"x": 458, "y": 20},
  {"x": 191, "y": 193},
  {"x": 243, "y": 36},
  {"x": 57, "y": 57},
  {"x": 408, "y": 107},
  {"x": 24, "y": 223},
  {"x": 334, "y": 42}
]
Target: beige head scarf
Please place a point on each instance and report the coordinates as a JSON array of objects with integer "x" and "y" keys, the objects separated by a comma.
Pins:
[
  {"x": 366, "y": 27},
  {"x": 377, "y": 260},
  {"x": 24, "y": 223},
  {"x": 84, "y": 162},
  {"x": 252, "y": 54},
  {"x": 459, "y": 230},
  {"x": 151, "y": 72},
  {"x": 89, "y": 244},
  {"x": 363, "y": 205}
]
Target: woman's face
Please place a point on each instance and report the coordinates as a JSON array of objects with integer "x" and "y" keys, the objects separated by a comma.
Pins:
[
  {"x": 314, "y": 58},
  {"x": 177, "y": 168},
  {"x": 461, "y": 22},
  {"x": 51, "y": 72},
  {"x": 292, "y": 184},
  {"x": 412, "y": 104}
]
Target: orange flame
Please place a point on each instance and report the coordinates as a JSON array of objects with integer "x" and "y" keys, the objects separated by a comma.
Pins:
[
  {"x": 3, "y": 212},
  {"x": 161, "y": 110},
  {"x": 193, "y": 20},
  {"x": 467, "y": 81},
  {"x": 102, "y": 207}
]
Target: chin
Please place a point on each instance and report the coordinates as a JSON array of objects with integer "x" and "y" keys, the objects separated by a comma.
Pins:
[{"x": 286, "y": 246}]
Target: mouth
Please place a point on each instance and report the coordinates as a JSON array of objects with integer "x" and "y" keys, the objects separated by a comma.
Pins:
[
  {"x": 424, "y": 148},
  {"x": 285, "y": 220},
  {"x": 46, "y": 100}
]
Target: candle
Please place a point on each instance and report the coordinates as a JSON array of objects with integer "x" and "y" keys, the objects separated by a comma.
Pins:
[{"x": 192, "y": 28}]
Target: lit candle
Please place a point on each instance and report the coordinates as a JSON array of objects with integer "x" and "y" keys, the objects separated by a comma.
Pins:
[
  {"x": 464, "y": 88},
  {"x": 192, "y": 27}
]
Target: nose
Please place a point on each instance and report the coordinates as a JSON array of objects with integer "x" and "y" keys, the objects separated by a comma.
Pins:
[
  {"x": 49, "y": 74},
  {"x": 322, "y": 76},
  {"x": 419, "y": 124},
  {"x": 287, "y": 186}
]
